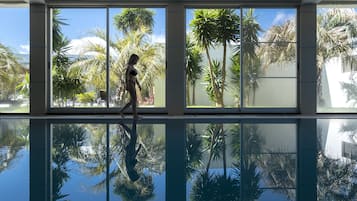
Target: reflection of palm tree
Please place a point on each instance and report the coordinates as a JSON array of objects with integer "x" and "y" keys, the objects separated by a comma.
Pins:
[
  {"x": 334, "y": 179},
  {"x": 215, "y": 188},
  {"x": 135, "y": 185},
  {"x": 12, "y": 140},
  {"x": 67, "y": 140},
  {"x": 215, "y": 135},
  {"x": 250, "y": 180},
  {"x": 335, "y": 175},
  {"x": 193, "y": 150},
  {"x": 250, "y": 176}
]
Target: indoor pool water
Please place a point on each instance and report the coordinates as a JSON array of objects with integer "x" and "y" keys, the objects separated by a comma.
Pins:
[{"x": 178, "y": 159}]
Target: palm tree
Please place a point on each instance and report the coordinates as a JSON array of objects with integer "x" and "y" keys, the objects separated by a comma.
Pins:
[
  {"x": 57, "y": 35},
  {"x": 203, "y": 28},
  {"x": 67, "y": 81},
  {"x": 193, "y": 68},
  {"x": 336, "y": 29},
  {"x": 133, "y": 19},
  {"x": 11, "y": 72},
  {"x": 13, "y": 138},
  {"x": 193, "y": 150},
  {"x": 67, "y": 139},
  {"x": 251, "y": 62},
  {"x": 150, "y": 65},
  {"x": 227, "y": 27}
]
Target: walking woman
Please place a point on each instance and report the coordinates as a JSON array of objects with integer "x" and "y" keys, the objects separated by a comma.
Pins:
[{"x": 130, "y": 83}]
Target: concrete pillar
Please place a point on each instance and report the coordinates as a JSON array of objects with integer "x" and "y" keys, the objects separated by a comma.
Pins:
[
  {"x": 40, "y": 183},
  {"x": 307, "y": 62},
  {"x": 175, "y": 160},
  {"x": 175, "y": 66},
  {"x": 38, "y": 59},
  {"x": 307, "y": 160}
]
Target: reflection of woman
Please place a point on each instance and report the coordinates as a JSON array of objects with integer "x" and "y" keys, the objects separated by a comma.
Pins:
[
  {"x": 130, "y": 83},
  {"x": 131, "y": 152}
]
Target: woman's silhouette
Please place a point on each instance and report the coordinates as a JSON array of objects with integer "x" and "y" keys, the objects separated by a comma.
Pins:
[
  {"x": 130, "y": 83},
  {"x": 131, "y": 152}
]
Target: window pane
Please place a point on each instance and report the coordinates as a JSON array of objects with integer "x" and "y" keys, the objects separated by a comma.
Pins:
[
  {"x": 14, "y": 59},
  {"x": 269, "y": 75},
  {"x": 78, "y": 58},
  {"x": 269, "y": 25},
  {"x": 212, "y": 66},
  {"x": 269, "y": 58},
  {"x": 336, "y": 59},
  {"x": 147, "y": 39}
]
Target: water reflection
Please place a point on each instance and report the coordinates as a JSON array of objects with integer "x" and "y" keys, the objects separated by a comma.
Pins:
[
  {"x": 138, "y": 160},
  {"x": 126, "y": 161},
  {"x": 336, "y": 161},
  {"x": 14, "y": 158},
  {"x": 88, "y": 160},
  {"x": 223, "y": 168}
]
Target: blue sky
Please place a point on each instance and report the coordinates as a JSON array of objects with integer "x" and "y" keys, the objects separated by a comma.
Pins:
[
  {"x": 15, "y": 28},
  {"x": 83, "y": 21}
]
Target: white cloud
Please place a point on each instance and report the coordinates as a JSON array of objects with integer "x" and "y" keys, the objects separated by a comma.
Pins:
[
  {"x": 24, "y": 49},
  {"x": 78, "y": 46},
  {"x": 158, "y": 39},
  {"x": 280, "y": 18}
]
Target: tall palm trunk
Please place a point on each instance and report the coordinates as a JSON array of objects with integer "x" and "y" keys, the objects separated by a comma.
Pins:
[
  {"x": 219, "y": 102},
  {"x": 188, "y": 96},
  {"x": 223, "y": 71},
  {"x": 194, "y": 93}
]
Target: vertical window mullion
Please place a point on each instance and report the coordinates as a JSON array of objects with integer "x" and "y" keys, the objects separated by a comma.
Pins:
[
  {"x": 241, "y": 61},
  {"x": 107, "y": 57}
]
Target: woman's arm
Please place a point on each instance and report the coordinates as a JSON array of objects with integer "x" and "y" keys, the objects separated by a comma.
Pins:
[{"x": 137, "y": 82}]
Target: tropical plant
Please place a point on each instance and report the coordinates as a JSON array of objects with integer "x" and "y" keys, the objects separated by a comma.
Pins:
[
  {"x": 194, "y": 150},
  {"x": 235, "y": 77},
  {"x": 217, "y": 80},
  {"x": 251, "y": 62},
  {"x": 212, "y": 27},
  {"x": 14, "y": 136},
  {"x": 11, "y": 73},
  {"x": 24, "y": 86},
  {"x": 193, "y": 68},
  {"x": 133, "y": 19},
  {"x": 67, "y": 140},
  {"x": 336, "y": 28},
  {"x": 57, "y": 35},
  {"x": 135, "y": 40},
  {"x": 67, "y": 81},
  {"x": 209, "y": 187}
]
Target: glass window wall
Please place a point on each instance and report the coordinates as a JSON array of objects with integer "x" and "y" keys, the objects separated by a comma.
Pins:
[
  {"x": 241, "y": 58},
  {"x": 14, "y": 58},
  {"x": 90, "y": 51},
  {"x": 336, "y": 58}
]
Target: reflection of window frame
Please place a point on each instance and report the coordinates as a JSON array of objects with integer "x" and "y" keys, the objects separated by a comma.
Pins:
[{"x": 349, "y": 150}]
